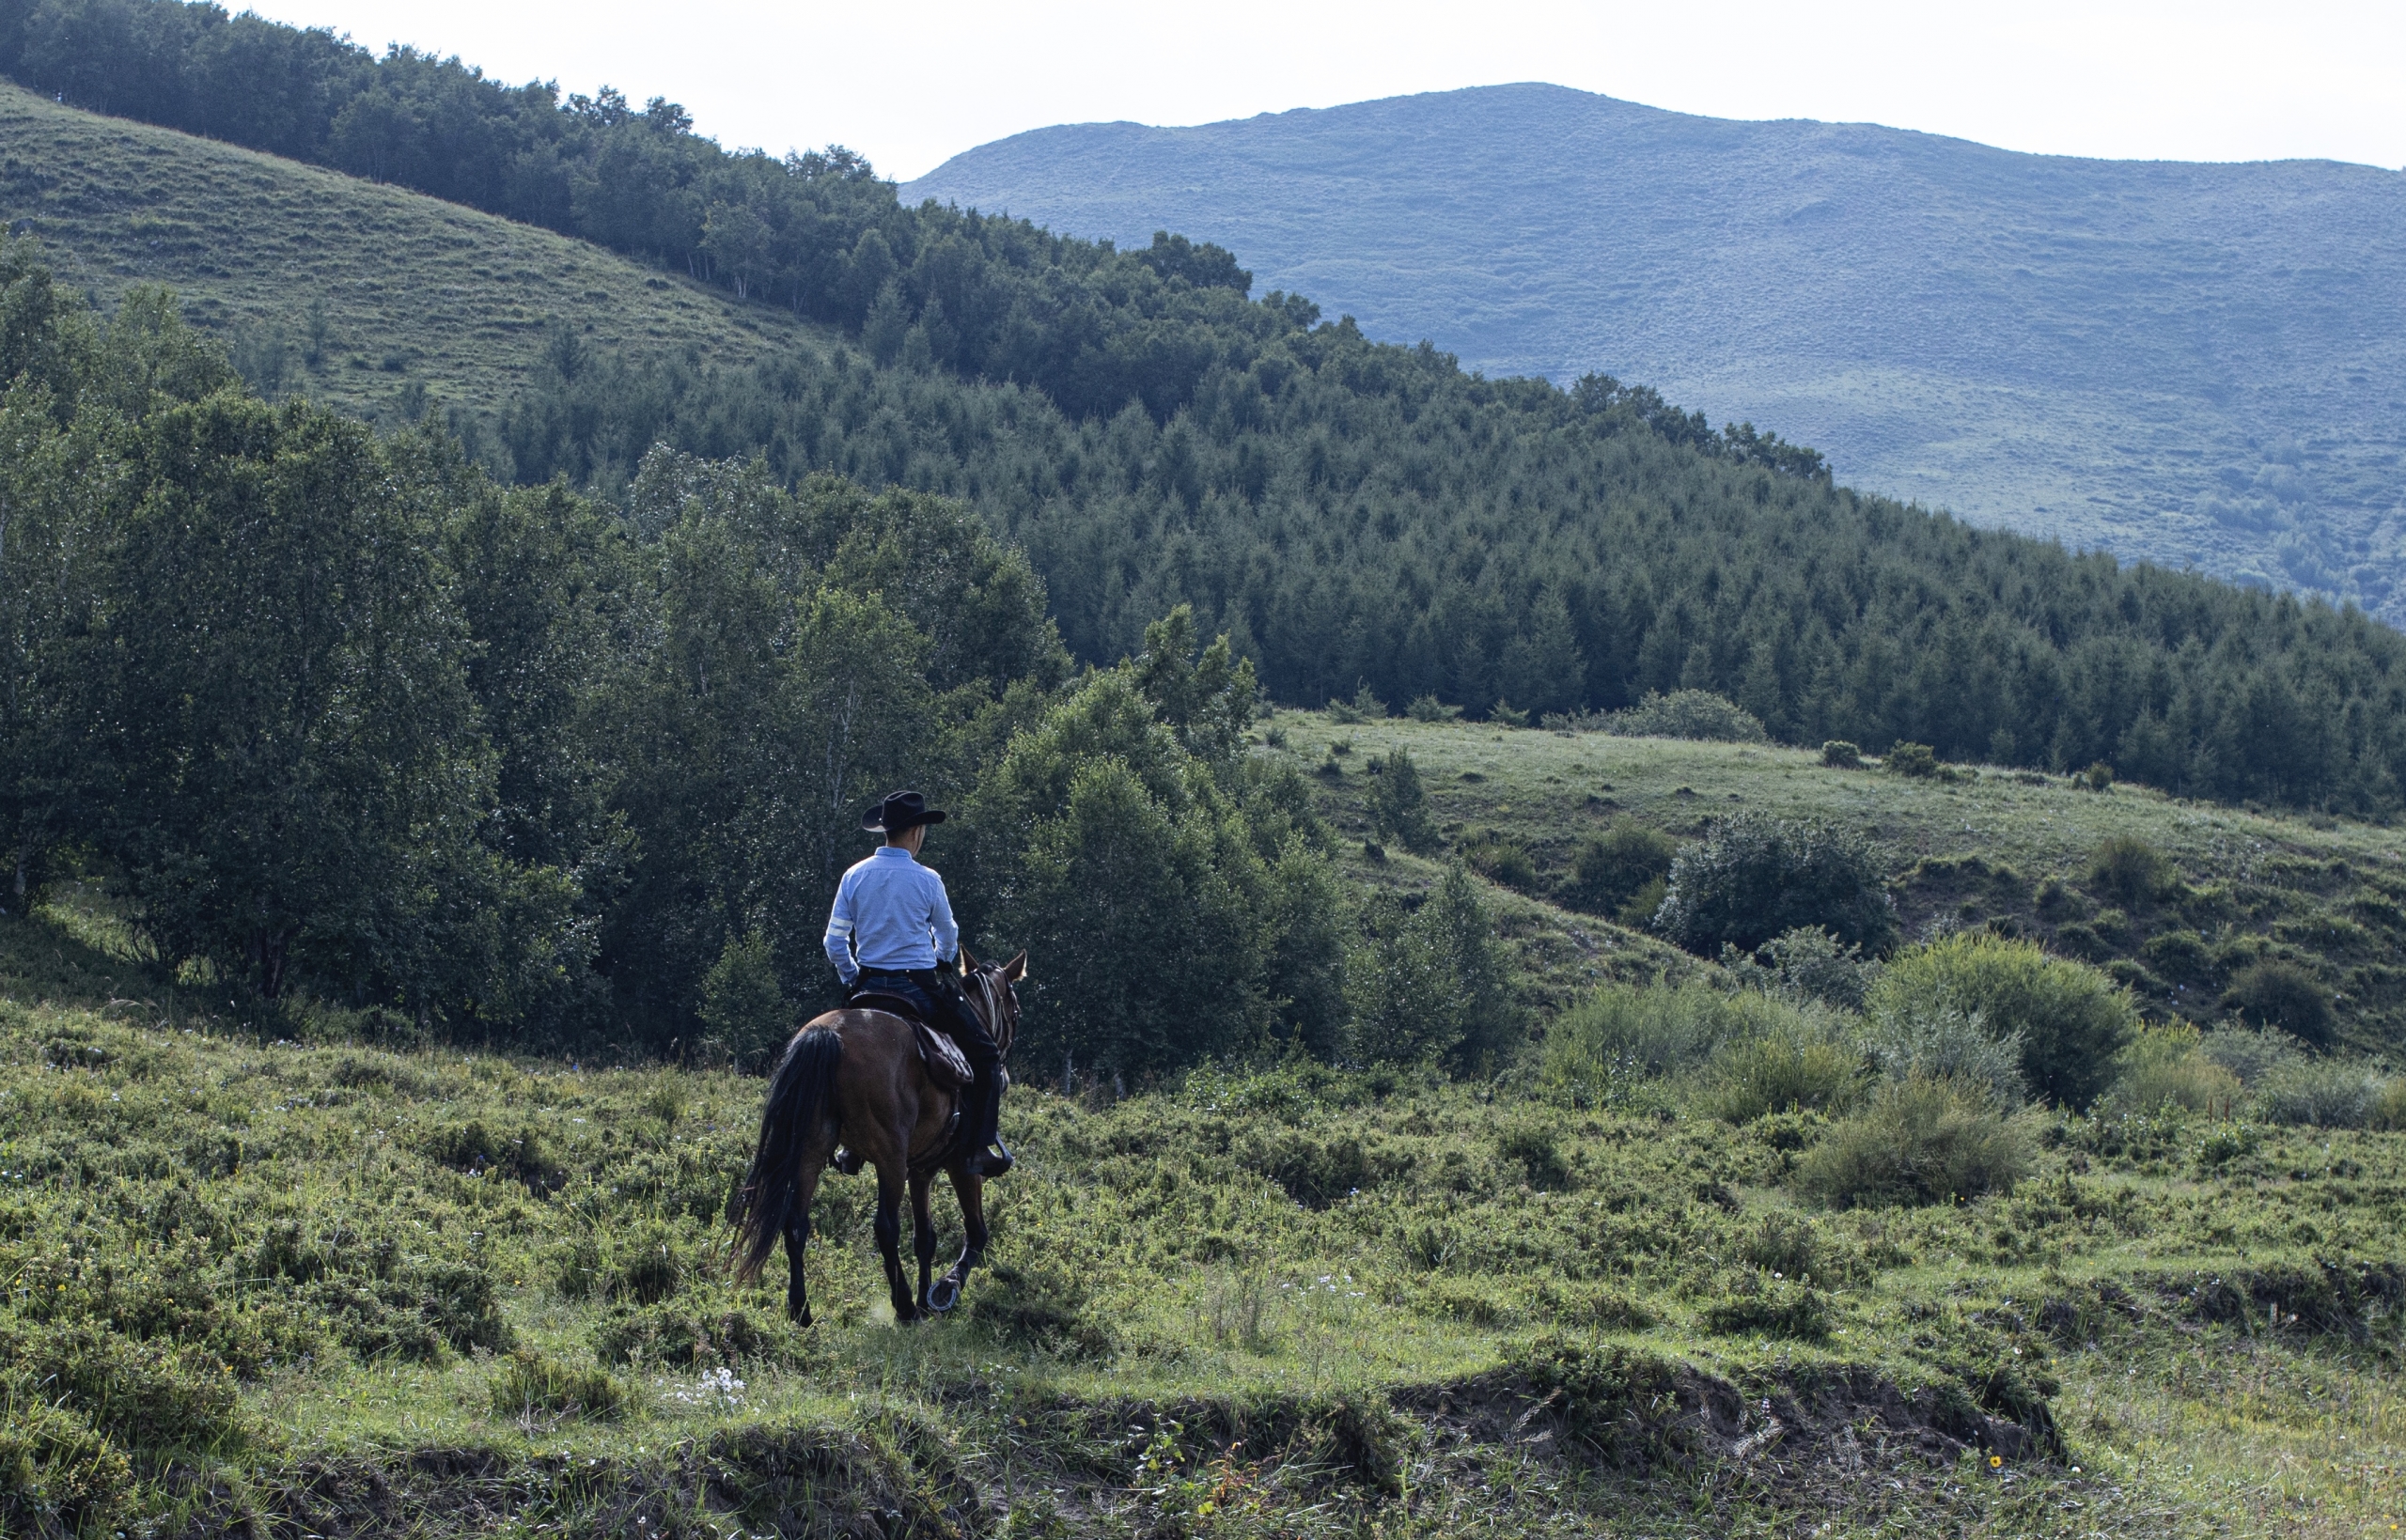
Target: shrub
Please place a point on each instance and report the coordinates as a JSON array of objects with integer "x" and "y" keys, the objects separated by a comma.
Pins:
[
  {"x": 1917, "y": 1141},
  {"x": 2388, "y": 1111},
  {"x": 2097, "y": 777},
  {"x": 1532, "y": 1147},
  {"x": 1914, "y": 761},
  {"x": 142, "y": 1395},
  {"x": 1950, "y": 1045},
  {"x": 1607, "y": 870},
  {"x": 1430, "y": 983},
  {"x": 1644, "y": 905},
  {"x": 1363, "y": 706},
  {"x": 2320, "y": 1093},
  {"x": 1500, "y": 858},
  {"x": 58, "y": 1476},
  {"x": 1809, "y": 963},
  {"x": 2071, "y": 1020},
  {"x": 744, "y": 1008},
  {"x": 2128, "y": 871},
  {"x": 1400, "y": 804},
  {"x": 1754, "y": 877},
  {"x": 1503, "y": 715},
  {"x": 2281, "y": 994},
  {"x": 1624, "y": 1033},
  {"x": 531, "y": 1385},
  {"x": 1799, "y": 1064},
  {"x": 1770, "y": 1307},
  {"x": 1837, "y": 753},
  {"x": 2249, "y": 1052},
  {"x": 1697, "y": 714},
  {"x": 1430, "y": 708},
  {"x": 2165, "y": 1068}
]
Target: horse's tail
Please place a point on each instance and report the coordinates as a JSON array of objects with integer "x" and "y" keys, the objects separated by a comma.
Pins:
[{"x": 797, "y": 1105}]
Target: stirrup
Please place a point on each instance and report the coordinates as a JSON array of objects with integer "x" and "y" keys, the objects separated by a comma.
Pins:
[{"x": 992, "y": 1160}]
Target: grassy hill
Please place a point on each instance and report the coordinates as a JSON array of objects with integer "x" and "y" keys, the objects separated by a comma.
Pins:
[
  {"x": 360, "y": 295},
  {"x": 343, "y": 1286},
  {"x": 2008, "y": 850},
  {"x": 2190, "y": 363}
]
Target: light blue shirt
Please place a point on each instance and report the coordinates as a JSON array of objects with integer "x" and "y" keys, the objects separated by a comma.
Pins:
[{"x": 890, "y": 912}]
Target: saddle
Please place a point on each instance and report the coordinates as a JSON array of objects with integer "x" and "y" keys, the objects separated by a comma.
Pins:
[{"x": 945, "y": 1063}]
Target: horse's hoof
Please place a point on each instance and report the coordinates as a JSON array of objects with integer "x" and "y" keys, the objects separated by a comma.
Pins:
[
  {"x": 943, "y": 1295},
  {"x": 801, "y": 1317}
]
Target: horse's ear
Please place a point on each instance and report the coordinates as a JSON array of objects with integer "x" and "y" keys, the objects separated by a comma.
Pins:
[
  {"x": 968, "y": 959},
  {"x": 1015, "y": 970}
]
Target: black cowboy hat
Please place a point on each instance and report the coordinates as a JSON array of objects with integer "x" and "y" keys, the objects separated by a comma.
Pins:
[{"x": 899, "y": 811}]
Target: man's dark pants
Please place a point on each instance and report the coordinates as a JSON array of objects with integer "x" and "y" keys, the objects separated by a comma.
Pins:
[{"x": 947, "y": 1009}]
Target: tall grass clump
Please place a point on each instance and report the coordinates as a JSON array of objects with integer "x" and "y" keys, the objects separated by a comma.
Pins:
[
  {"x": 1600, "y": 1050},
  {"x": 1916, "y": 1141},
  {"x": 2322, "y": 1094},
  {"x": 2281, "y": 994},
  {"x": 1794, "y": 1059},
  {"x": 2168, "y": 1067},
  {"x": 2070, "y": 1019},
  {"x": 1946, "y": 1043}
]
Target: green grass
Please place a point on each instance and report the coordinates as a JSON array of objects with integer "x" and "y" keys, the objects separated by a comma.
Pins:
[
  {"x": 415, "y": 292},
  {"x": 2327, "y": 893},
  {"x": 463, "y": 1292}
]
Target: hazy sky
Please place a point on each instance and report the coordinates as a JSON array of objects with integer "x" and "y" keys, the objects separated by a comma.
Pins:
[{"x": 910, "y": 85}]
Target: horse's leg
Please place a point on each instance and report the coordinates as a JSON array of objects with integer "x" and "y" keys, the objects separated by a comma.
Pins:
[
  {"x": 890, "y": 1183},
  {"x": 798, "y": 1240},
  {"x": 971, "y": 1190},
  {"x": 923, "y": 1234}
]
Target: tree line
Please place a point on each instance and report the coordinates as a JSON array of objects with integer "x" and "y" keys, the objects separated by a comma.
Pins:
[
  {"x": 342, "y": 721},
  {"x": 1353, "y": 513}
]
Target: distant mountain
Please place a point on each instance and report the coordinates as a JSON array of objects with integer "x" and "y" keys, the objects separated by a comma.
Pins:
[{"x": 2194, "y": 363}]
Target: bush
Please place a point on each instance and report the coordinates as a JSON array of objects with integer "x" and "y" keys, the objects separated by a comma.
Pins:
[
  {"x": 1500, "y": 858},
  {"x": 2167, "y": 1067},
  {"x": 1918, "y": 1142},
  {"x": 2128, "y": 871},
  {"x": 58, "y": 1476},
  {"x": 744, "y": 1008},
  {"x": 1400, "y": 804},
  {"x": 1603, "y": 1048},
  {"x": 2097, "y": 777},
  {"x": 1951, "y": 1045},
  {"x": 1429, "y": 985},
  {"x": 1801, "y": 1063},
  {"x": 142, "y": 1395},
  {"x": 1754, "y": 878},
  {"x": 1607, "y": 870},
  {"x": 1430, "y": 708},
  {"x": 1837, "y": 753},
  {"x": 2249, "y": 1052},
  {"x": 2388, "y": 1111},
  {"x": 1360, "y": 708},
  {"x": 2281, "y": 994},
  {"x": 1914, "y": 761},
  {"x": 531, "y": 1385},
  {"x": 2071, "y": 1020},
  {"x": 1503, "y": 715},
  {"x": 1697, "y": 714},
  {"x": 1644, "y": 906},
  {"x": 2320, "y": 1093},
  {"x": 1770, "y": 1307},
  {"x": 1809, "y": 963}
]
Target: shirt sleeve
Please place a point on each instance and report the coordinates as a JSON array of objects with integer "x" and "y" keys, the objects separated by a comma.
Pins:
[
  {"x": 940, "y": 923},
  {"x": 839, "y": 932}
]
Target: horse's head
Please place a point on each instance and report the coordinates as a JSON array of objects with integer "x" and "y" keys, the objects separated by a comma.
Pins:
[{"x": 991, "y": 988}]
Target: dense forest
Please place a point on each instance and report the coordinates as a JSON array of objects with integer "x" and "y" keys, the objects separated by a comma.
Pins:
[{"x": 1347, "y": 512}]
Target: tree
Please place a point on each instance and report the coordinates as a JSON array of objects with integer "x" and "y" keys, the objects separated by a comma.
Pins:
[
  {"x": 1427, "y": 983},
  {"x": 1754, "y": 877},
  {"x": 1398, "y": 806}
]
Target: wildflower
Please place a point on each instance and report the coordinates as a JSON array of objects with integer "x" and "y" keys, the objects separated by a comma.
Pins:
[{"x": 1995, "y": 1461}]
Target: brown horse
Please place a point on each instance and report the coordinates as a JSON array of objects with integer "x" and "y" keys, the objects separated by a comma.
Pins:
[{"x": 855, "y": 1077}]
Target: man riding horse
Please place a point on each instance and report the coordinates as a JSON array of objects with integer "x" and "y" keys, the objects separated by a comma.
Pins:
[{"x": 890, "y": 926}]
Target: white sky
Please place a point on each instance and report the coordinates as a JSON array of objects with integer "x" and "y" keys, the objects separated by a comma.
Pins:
[{"x": 910, "y": 86}]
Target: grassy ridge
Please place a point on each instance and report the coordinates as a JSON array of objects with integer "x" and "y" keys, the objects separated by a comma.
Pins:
[
  {"x": 370, "y": 1290},
  {"x": 1977, "y": 850},
  {"x": 414, "y": 292}
]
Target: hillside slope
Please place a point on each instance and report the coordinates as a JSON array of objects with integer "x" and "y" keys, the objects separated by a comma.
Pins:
[
  {"x": 2190, "y": 363},
  {"x": 412, "y": 291}
]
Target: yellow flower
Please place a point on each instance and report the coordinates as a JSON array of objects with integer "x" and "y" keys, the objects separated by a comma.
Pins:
[{"x": 1995, "y": 1460}]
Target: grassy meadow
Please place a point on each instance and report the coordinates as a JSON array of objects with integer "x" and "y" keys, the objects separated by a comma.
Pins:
[
  {"x": 346, "y": 1286},
  {"x": 375, "y": 301}
]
